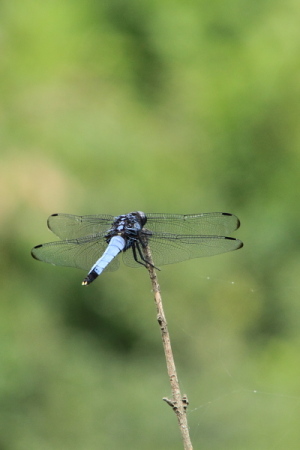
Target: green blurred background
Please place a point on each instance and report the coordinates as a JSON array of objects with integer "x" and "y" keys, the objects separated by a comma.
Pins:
[{"x": 159, "y": 106}]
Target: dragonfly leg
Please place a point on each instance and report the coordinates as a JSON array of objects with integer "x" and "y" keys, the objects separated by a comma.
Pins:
[
  {"x": 137, "y": 245},
  {"x": 134, "y": 247}
]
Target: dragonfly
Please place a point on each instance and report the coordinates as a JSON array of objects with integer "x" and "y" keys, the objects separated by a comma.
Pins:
[{"x": 94, "y": 242}]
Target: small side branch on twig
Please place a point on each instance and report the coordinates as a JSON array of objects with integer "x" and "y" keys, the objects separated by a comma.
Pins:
[{"x": 174, "y": 406}]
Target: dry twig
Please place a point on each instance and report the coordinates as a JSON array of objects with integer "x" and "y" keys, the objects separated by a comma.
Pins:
[{"x": 178, "y": 402}]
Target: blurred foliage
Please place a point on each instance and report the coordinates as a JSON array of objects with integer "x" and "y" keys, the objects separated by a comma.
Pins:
[{"x": 111, "y": 107}]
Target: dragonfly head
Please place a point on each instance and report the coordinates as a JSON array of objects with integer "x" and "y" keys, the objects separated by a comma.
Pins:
[{"x": 142, "y": 217}]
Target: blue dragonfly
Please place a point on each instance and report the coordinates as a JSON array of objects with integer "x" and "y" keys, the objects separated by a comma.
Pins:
[{"x": 94, "y": 243}]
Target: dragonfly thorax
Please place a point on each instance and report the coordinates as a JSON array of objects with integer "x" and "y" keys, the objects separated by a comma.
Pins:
[{"x": 128, "y": 226}]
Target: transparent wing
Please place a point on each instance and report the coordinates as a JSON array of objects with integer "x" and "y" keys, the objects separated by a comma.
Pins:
[
  {"x": 81, "y": 253},
  {"x": 169, "y": 249},
  {"x": 67, "y": 226},
  {"x": 216, "y": 223}
]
